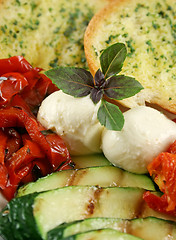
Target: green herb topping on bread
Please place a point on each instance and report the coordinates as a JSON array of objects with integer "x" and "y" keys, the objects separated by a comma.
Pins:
[{"x": 148, "y": 28}]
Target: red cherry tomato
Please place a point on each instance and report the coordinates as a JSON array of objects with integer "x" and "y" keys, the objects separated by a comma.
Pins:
[{"x": 163, "y": 171}]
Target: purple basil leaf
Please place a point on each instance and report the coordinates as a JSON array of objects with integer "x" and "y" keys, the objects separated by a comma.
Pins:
[
  {"x": 73, "y": 81},
  {"x": 96, "y": 95},
  {"x": 120, "y": 87},
  {"x": 110, "y": 116},
  {"x": 99, "y": 78},
  {"x": 112, "y": 59}
]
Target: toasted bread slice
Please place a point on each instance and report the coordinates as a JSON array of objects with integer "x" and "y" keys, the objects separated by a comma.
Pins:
[
  {"x": 148, "y": 28},
  {"x": 46, "y": 32}
]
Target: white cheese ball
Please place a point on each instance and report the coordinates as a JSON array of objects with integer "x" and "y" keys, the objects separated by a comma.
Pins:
[
  {"x": 145, "y": 134},
  {"x": 74, "y": 119}
]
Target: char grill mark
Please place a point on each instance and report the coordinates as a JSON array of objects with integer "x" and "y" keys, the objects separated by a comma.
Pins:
[{"x": 93, "y": 202}]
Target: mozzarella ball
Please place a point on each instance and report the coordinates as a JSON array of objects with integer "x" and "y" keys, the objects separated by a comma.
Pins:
[
  {"x": 74, "y": 119},
  {"x": 145, "y": 134}
]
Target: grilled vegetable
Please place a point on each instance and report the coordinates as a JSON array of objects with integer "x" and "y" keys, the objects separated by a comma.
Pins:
[
  {"x": 149, "y": 228},
  {"x": 105, "y": 176},
  {"x": 102, "y": 234},
  {"x": 38, "y": 213}
]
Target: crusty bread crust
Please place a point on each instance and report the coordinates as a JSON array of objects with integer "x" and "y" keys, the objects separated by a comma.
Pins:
[
  {"x": 152, "y": 93},
  {"x": 91, "y": 29}
]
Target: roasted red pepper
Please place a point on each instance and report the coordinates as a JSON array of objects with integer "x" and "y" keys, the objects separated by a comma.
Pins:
[
  {"x": 15, "y": 117},
  {"x": 27, "y": 149},
  {"x": 59, "y": 154},
  {"x": 163, "y": 171},
  {"x": 13, "y": 143},
  {"x": 3, "y": 176},
  {"x": 11, "y": 84},
  {"x": 14, "y": 64},
  {"x": 39, "y": 87},
  {"x": 17, "y": 76},
  {"x": 3, "y": 170}
]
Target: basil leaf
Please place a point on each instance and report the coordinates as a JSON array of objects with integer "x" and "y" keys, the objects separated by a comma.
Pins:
[
  {"x": 120, "y": 87},
  {"x": 110, "y": 116},
  {"x": 99, "y": 79},
  {"x": 96, "y": 95},
  {"x": 112, "y": 59},
  {"x": 76, "y": 82}
]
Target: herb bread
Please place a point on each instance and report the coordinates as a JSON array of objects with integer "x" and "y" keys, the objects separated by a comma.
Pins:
[
  {"x": 148, "y": 28},
  {"x": 46, "y": 32}
]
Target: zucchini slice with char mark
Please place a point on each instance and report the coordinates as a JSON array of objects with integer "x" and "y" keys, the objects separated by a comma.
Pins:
[
  {"x": 44, "y": 211},
  {"x": 102, "y": 234},
  {"x": 91, "y": 160},
  {"x": 105, "y": 176},
  {"x": 149, "y": 228}
]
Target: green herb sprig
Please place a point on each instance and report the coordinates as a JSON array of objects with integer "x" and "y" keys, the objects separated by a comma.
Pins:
[{"x": 106, "y": 84}]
